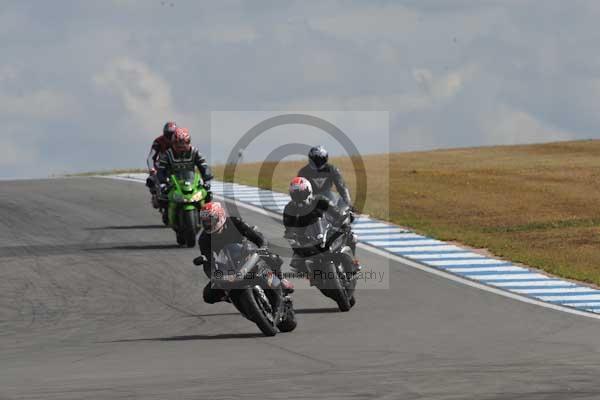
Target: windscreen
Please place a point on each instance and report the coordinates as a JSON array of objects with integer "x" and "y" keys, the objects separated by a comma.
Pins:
[
  {"x": 185, "y": 175},
  {"x": 230, "y": 255},
  {"x": 312, "y": 232}
]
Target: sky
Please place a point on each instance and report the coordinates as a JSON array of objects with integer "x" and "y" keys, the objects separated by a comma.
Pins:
[{"x": 88, "y": 85}]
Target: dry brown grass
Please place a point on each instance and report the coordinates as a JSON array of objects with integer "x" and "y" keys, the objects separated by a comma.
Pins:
[{"x": 535, "y": 204}]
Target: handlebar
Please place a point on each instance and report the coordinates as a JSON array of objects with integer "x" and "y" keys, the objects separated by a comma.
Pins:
[{"x": 263, "y": 251}]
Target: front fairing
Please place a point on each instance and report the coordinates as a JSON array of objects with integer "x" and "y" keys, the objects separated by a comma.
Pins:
[
  {"x": 237, "y": 267},
  {"x": 186, "y": 188},
  {"x": 311, "y": 239}
]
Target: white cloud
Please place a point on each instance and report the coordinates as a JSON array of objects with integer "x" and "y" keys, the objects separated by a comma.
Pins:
[
  {"x": 431, "y": 91},
  {"x": 148, "y": 102},
  {"x": 446, "y": 86},
  {"x": 509, "y": 126},
  {"x": 145, "y": 95}
]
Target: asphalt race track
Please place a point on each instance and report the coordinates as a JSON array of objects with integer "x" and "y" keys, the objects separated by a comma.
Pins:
[{"x": 96, "y": 302}]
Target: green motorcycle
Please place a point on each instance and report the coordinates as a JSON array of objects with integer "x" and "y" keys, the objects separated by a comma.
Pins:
[{"x": 186, "y": 196}]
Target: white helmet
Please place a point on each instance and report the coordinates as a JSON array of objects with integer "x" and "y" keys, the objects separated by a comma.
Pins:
[
  {"x": 301, "y": 190},
  {"x": 212, "y": 217}
]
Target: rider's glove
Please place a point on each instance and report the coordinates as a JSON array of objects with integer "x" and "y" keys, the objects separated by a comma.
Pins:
[
  {"x": 351, "y": 214},
  {"x": 206, "y": 185},
  {"x": 164, "y": 188},
  {"x": 209, "y": 197}
]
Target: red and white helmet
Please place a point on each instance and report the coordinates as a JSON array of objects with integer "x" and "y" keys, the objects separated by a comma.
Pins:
[
  {"x": 181, "y": 140},
  {"x": 212, "y": 217},
  {"x": 300, "y": 190}
]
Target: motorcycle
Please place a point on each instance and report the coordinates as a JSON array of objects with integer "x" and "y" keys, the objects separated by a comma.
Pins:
[
  {"x": 186, "y": 196},
  {"x": 323, "y": 253},
  {"x": 159, "y": 200},
  {"x": 241, "y": 270}
]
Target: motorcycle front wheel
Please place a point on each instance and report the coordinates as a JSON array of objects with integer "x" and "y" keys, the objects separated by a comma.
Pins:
[
  {"x": 190, "y": 223},
  {"x": 288, "y": 322},
  {"x": 258, "y": 310},
  {"x": 335, "y": 290}
]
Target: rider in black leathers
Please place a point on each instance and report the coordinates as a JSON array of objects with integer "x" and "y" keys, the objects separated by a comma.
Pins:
[
  {"x": 220, "y": 231},
  {"x": 305, "y": 209},
  {"x": 182, "y": 156},
  {"x": 323, "y": 176}
]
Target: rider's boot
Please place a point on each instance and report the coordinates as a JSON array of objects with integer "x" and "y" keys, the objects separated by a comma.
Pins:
[{"x": 212, "y": 296}]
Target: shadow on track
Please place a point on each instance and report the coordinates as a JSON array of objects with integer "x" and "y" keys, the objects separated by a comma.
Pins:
[
  {"x": 136, "y": 247},
  {"x": 214, "y": 315},
  {"x": 75, "y": 248},
  {"x": 221, "y": 336},
  {"x": 317, "y": 310},
  {"x": 125, "y": 227}
]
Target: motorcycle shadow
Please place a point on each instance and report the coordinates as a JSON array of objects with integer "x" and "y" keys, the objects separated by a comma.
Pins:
[
  {"x": 317, "y": 310},
  {"x": 221, "y": 336},
  {"x": 124, "y": 227},
  {"x": 136, "y": 247}
]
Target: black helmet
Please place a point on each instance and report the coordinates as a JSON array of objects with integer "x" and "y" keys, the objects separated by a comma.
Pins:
[
  {"x": 169, "y": 129},
  {"x": 318, "y": 157}
]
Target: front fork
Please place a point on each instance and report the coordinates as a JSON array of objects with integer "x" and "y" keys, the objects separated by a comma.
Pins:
[{"x": 172, "y": 212}]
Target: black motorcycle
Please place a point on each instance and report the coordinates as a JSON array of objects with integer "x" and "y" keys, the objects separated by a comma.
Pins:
[
  {"x": 241, "y": 270},
  {"x": 325, "y": 254},
  {"x": 160, "y": 200}
]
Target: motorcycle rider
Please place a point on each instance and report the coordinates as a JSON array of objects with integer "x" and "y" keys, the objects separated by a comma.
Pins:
[
  {"x": 182, "y": 155},
  {"x": 323, "y": 176},
  {"x": 305, "y": 209},
  {"x": 159, "y": 146},
  {"x": 219, "y": 230}
]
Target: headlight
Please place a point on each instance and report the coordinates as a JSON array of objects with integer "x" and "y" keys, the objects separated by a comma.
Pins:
[{"x": 197, "y": 197}]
